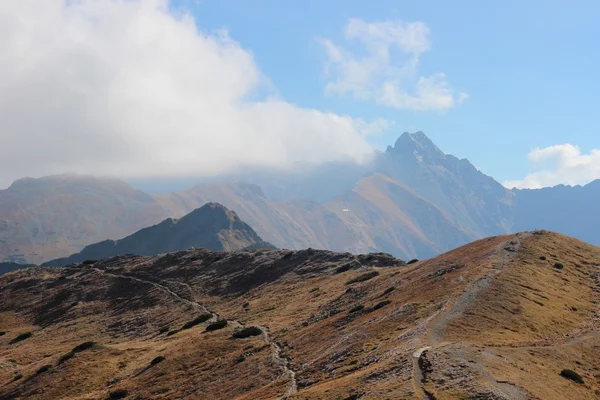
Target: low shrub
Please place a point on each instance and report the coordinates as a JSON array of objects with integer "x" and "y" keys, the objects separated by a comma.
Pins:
[
  {"x": 543, "y": 258},
  {"x": 558, "y": 265},
  {"x": 65, "y": 357},
  {"x": 414, "y": 260},
  {"x": 343, "y": 268},
  {"x": 83, "y": 346},
  {"x": 246, "y": 305},
  {"x": 572, "y": 375},
  {"x": 171, "y": 333},
  {"x": 164, "y": 329},
  {"x": 21, "y": 337},
  {"x": 197, "y": 321},
  {"x": 247, "y": 332},
  {"x": 241, "y": 358},
  {"x": 118, "y": 394},
  {"x": 43, "y": 369},
  {"x": 2, "y": 333},
  {"x": 363, "y": 277},
  {"x": 313, "y": 290},
  {"x": 356, "y": 308},
  {"x": 388, "y": 290},
  {"x": 380, "y": 305},
  {"x": 89, "y": 262},
  {"x": 220, "y": 324},
  {"x": 157, "y": 360},
  {"x": 17, "y": 377}
]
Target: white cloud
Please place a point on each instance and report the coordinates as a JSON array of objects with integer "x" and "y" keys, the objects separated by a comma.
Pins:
[
  {"x": 388, "y": 71},
  {"x": 560, "y": 164},
  {"x": 134, "y": 89}
]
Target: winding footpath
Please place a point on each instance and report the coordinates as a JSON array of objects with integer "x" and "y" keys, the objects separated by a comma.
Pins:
[
  {"x": 435, "y": 328},
  {"x": 282, "y": 362}
]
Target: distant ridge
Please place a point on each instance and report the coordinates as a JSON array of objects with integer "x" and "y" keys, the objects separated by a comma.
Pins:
[
  {"x": 10, "y": 266},
  {"x": 212, "y": 226}
]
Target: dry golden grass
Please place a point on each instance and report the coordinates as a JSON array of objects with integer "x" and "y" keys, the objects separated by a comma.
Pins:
[{"x": 498, "y": 322}]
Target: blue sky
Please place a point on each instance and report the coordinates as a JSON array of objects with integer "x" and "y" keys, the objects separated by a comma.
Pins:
[
  {"x": 163, "y": 89},
  {"x": 529, "y": 68}
]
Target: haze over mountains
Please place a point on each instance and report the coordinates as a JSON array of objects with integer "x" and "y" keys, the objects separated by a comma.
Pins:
[
  {"x": 412, "y": 200},
  {"x": 211, "y": 226}
]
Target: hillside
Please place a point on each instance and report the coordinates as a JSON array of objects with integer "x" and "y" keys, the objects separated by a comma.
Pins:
[
  {"x": 499, "y": 318},
  {"x": 211, "y": 226}
]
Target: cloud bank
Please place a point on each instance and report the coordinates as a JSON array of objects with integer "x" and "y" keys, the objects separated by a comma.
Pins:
[
  {"x": 385, "y": 68},
  {"x": 560, "y": 164},
  {"x": 135, "y": 89}
]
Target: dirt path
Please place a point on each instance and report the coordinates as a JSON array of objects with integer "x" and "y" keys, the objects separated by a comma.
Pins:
[
  {"x": 163, "y": 288},
  {"x": 436, "y": 327},
  {"x": 282, "y": 362}
]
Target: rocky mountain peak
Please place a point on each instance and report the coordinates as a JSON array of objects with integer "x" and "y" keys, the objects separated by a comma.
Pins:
[{"x": 417, "y": 144}]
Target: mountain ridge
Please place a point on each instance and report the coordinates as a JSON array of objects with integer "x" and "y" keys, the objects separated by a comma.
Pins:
[
  {"x": 56, "y": 219},
  {"x": 211, "y": 226}
]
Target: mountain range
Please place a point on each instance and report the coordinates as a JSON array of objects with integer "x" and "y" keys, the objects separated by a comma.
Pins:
[
  {"x": 412, "y": 201},
  {"x": 512, "y": 317},
  {"x": 211, "y": 226}
]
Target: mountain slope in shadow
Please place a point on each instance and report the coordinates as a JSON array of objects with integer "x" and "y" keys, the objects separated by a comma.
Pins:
[{"x": 211, "y": 226}]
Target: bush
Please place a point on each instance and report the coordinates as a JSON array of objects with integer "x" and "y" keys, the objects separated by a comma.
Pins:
[
  {"x": 356, "y": 309},
  {"x": 381, "y": 305},
  {"x": 21, "y": 337},
  {"x": 197, "y": 321},
  {"x": 343, "y": 268},
  {"x": 118, "y": 394},
  {"x": 247, "y": 332},
  {"x": 543, "y": 258},
  {"x": 220, "y": 324},
  {"x": 164, "y": 329},
  {"x": 246, "y": 305},
  {"x": 17, "y": 377},
  {"x": 558, "y": 265},
  {"x": 241, "y": 358},
  {"x": 65, "y": 357},
  {"x": 82, "y": 347},
  {"x": 364, "y": 277},
  {"x": 2, "y": 333},
  {"x": 389, "y": 290},
  {"x": 157, "y": 360},
  {"x": 171, "y": 333},
  {"x": 414, "y": 260},
  {"x": 43, "y": 369},
  {"x": 572, "y": 375}
]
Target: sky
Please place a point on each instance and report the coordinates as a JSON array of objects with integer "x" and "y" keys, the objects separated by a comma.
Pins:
[{"x": 152, "y": 88}]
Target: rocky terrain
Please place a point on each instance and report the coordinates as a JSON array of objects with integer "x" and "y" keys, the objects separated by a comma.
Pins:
[
  {"x": 211, "y": 226},
  {"x": 500, "y": 318}
]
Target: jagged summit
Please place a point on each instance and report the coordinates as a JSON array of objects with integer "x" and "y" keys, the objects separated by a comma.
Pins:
[
  {"x": 212, "y": 226},
  {"x": 416, "y": 143}
]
